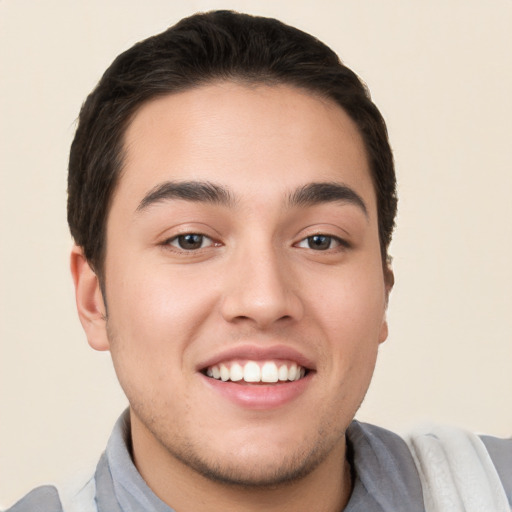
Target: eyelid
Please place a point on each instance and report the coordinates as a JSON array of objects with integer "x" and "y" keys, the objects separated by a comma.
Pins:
[
  {"x": 171, "y": 243},
  {"x": 340, "y": 242},
  {"x": 176, "y": 238},
  {"x": 188, "y": 227}
]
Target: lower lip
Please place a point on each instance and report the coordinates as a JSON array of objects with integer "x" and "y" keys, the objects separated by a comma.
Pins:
[{"x": 259, "y": 396}]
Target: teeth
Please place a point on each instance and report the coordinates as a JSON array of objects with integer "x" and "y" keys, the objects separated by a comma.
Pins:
[
  {"x": 237, "y": 372},
  {"x": 224, "y": 372},
  {"x": 252, "y": 372},
  {"x": 269, "y": 373},
  {"x": 292, "y": 372},
  {"x": 282, "y": 373}
]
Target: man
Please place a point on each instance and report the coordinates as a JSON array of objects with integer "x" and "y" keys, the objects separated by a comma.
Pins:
[{"x": 232, "y": 200}]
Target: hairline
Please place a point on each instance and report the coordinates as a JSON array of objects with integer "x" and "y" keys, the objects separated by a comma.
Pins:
[{"x": 246, "y": 80}]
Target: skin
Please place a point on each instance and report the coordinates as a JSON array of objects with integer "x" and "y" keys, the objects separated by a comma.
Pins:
[{"x": 256, "y": 283}]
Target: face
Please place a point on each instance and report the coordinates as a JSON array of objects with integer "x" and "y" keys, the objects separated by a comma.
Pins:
[{"x": 244, "y": 281}]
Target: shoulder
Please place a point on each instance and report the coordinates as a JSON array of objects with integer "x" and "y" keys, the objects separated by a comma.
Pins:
[
  {"x": 500, "y": 451},
  {"x": 384, "y": 472},
  {"x": 75, "y": 494},
  {"x": 455, "y": 464},
  {"x": 437, "y": 461},
  {"x": 41, "y": 499}
]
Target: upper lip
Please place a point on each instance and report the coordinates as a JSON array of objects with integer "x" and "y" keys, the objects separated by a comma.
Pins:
[{"x": 258, "y": 353}]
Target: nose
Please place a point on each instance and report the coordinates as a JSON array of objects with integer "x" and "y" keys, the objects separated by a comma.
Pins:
[{"x": 260, "y": 289}]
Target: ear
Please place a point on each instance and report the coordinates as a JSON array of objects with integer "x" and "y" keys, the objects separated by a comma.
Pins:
[
  {"x": 89, "y": 300},
  {"x": 389, "y": 281},
  {"x": 389, "y": 277}
]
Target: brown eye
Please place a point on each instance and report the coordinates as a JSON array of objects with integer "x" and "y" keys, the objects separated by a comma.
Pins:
[
  {"x": 190, "y": 241},
  {"x": 319, "y": 242}
]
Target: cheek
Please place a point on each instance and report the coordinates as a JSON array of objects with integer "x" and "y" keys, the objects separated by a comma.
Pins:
[
  {"x": 154, "y": 316},
  {"x": 350, "y": 311},
  {"x": 156, "y": 295},
  {"x": 351, "y": 303},
  {"x": 353, "y": 331}
]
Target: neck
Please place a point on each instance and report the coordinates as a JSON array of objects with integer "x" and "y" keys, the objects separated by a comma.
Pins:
[{"x": 325, "y": 489}]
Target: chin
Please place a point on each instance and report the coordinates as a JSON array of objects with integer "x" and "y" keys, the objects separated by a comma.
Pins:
[
  {"x": 259, "y": 473},
  {"x": 258, "y": 465}
]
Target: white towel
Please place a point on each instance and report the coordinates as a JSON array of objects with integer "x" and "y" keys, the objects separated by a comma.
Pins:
[{"x": 456, "y": 471}]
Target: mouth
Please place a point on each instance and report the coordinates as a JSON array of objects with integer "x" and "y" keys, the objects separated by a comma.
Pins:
[
  {"x": 256, "y": 372},
  {"x": 258, "y": 378}
]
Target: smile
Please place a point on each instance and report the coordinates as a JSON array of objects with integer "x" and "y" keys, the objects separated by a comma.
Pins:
[{"x": 257, "y": 371}]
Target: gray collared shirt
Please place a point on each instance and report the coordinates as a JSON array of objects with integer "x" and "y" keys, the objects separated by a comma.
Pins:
[{"x": 384, "y": 475}]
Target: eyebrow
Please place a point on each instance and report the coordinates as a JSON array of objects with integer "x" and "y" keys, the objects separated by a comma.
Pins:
[
  {"x": 318, "y": 193},
  {"x": 198, "y": 191},
  {"x": 208, "y": 192}
]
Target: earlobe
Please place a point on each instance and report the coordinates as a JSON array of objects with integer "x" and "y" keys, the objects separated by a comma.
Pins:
[
  {"x": 383, "y": 331},
  {"x": 89, "y": 300}
]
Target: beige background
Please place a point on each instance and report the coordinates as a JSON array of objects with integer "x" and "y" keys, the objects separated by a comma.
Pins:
[{"x": 441, "y": 72}]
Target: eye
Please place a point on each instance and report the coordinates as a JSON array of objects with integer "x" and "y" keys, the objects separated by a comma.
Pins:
[
  {"x": 320, "y": 242},
  {"x": 190, "y": 241}
]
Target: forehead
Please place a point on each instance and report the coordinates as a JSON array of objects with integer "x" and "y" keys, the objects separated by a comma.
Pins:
[{"x": 256, "y": 139}]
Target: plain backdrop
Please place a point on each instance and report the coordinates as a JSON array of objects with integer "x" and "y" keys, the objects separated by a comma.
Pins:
[{"x": 441, "y": 73}]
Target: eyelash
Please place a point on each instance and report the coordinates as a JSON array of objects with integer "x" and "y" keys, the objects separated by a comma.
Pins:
[
  {"x": 175, "y": 242},
  {"x": 319, "y": 239}
]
